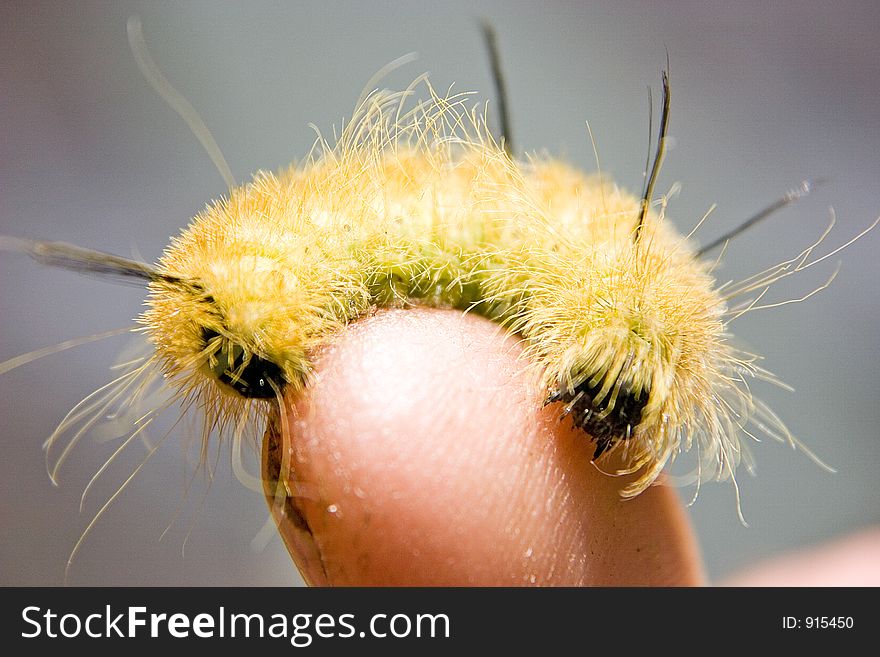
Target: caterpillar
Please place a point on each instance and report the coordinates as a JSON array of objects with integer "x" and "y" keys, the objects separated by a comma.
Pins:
[{"x": 423, "y": 205}]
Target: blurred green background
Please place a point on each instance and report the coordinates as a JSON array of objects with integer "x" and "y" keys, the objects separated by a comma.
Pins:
[{"x": 765, "y": 94}]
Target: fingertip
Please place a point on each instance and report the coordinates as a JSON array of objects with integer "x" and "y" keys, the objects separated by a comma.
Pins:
[{"x": 424, "y": 457}]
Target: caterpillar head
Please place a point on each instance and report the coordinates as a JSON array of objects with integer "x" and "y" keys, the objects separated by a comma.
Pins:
[
  {"x": 242, "y": 328},
  {"x": 631, "y": 332}
]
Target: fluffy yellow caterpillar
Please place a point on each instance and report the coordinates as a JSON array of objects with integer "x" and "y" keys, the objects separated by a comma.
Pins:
[
  {"x": 627, "y": 328},
  {"x": 620, "y": 315},
  {"x": 421, "y": 205}
]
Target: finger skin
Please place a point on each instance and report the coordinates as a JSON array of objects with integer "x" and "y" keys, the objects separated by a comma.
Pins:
[
  {"x": 421, "y": 455},
  {"x": 849, "y": 561}
]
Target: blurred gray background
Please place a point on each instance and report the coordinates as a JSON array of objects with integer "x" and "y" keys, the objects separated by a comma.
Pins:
[{"x": 765, "y": 94}]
